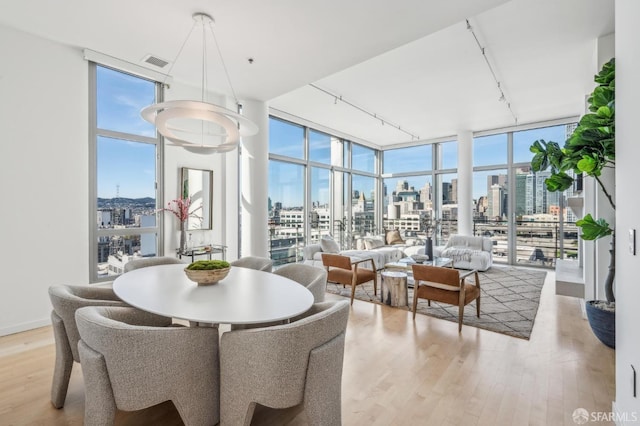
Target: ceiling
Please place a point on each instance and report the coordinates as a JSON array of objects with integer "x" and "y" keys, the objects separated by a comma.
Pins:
[{"x": 412, "y": 63}]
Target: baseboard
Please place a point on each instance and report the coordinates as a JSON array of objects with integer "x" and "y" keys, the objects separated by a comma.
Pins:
[
  {"x": 583, "y": 309},
  {"x": 5, "y": 331},
  {"x": 569, "y": 278}
]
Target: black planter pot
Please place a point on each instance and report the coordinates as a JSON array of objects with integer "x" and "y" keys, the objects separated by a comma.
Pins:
[{"x": 603, "y": 323}]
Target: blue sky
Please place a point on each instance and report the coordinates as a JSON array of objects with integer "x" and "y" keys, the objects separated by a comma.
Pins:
[{"x": 131, "y": 165}]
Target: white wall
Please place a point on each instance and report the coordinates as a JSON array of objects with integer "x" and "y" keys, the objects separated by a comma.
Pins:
[
  {"x": 176, "y": 158},
  {"x": 627, "y": 284},
  {"x": 43, "y": 175}
]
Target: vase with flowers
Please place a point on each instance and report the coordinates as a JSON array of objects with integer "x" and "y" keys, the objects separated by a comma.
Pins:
[{"x": 181, "y": 209}]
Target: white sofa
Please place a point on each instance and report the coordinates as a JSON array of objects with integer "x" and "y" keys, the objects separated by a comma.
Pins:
[
  {"x": 366, "y": 248},
  {"x": 380, "y": 255},
  {"x": 468, "y": 252}
]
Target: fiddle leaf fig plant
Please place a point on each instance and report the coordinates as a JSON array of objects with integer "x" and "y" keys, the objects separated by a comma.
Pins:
[{"x": 589, "y": 150}]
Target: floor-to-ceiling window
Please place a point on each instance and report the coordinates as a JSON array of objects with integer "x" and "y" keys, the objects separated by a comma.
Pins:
[
  {"x": 408, "y": 189},
  {"x": 491, "y": 193},
  {"x": 125, "y": 170},
  {"x": 345, "y": 193},
  {"x": 528, "y": 224},
  {"x": 446, "y": 197},
  {"x": 287, "y": 182},
  {"x": 363, "y": 191},
  {"x": 319, "y": 185},
  {"x": 545, "y": 226},
  {"x": 286, "y": 210}
]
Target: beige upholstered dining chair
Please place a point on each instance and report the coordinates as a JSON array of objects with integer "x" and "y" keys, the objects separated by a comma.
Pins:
[
  {"x": 254, "y": 262},
  {"x": 143, "y": 262},
  {"x": 341, "y": 270},
  {"x": 131, "y": 361},
  {"x": 285, "y": 365},
  {"x": 312, "y": 277},
  {"x": 66, "y": 300},
  {"x": 445, "y": 285}
]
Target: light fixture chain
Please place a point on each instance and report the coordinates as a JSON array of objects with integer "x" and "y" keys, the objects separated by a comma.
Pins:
[
  {"x": 203, "y": 82},
  {"x": 184, "y": 43},
  {"x": 224, "y": 65}
]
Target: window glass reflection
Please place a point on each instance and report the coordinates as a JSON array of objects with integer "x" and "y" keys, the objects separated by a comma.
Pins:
[
  {"x": 120, "y": 98},
  {"x": 489, "y": 150},
  {"x": 363, "y": 158},
  {"x": 402, "y": 160},
  {"x": 286, "y": 138}
]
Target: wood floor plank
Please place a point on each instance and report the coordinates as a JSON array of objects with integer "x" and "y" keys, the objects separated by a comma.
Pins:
[{"x": 397, "y": 371}]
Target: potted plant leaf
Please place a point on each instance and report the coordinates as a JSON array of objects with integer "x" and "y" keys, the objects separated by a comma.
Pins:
[{"x": 589, "y": 150}]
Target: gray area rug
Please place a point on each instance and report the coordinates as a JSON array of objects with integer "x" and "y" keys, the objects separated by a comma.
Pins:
[{"x": 509, "y": 301}]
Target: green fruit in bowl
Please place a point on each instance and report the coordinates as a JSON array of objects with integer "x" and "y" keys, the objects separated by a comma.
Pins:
[{"x": 206, "y": 265}]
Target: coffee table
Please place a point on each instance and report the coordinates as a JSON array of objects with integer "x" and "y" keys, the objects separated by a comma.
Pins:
[{"x": 406, "y": 265}]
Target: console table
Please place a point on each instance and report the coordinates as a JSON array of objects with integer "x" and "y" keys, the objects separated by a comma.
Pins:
[{"x": 206, "y": 250}]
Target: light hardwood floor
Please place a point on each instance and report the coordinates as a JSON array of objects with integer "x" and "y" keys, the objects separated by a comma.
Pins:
[{"x": 396, "y": 372}]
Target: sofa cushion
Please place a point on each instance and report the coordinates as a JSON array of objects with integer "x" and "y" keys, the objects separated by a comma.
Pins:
[
  {"x": 393, "y": 237},
  {"x": 329, "y": 245}
]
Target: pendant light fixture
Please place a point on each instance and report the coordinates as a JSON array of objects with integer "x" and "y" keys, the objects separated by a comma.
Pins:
[{"x": 228, "y": 126}]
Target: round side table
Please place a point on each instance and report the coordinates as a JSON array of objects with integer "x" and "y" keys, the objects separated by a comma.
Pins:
[{"x": 394, "y": 288}]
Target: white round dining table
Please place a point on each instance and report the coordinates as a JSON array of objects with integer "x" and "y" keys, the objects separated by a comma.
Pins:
[{"x": 245, "y": 296}]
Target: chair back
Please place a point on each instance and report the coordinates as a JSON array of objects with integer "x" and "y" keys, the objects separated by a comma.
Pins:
[
  {"x": 145, "y": 362},
  {"x": 312, "y": 277},
  {"x": 275, "y": 363},
  {"x": 66, "y": 299},
  {"x": 437, "y": 275},
  {"x": 336, "y": 261},
  {"x": 144, "y": 262},
  {"x": 254, "y": 262}
]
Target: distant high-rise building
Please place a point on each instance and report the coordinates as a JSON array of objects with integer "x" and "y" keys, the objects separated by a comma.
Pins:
[
  {"x": 446, "y": 193},
  {"x": 521, "y": 194},
  {"x": 495, "y": 208},
  {"x": 454, "y": 191},
  {"x": 500, "y": 179},
  {"x": 426, "y": 196},
  {"x": 568, "y": 131}
]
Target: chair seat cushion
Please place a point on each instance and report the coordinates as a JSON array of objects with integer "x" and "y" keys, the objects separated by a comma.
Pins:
[
  {"x": 447, "y": 296},
  {"x": 343, "y": 276}
]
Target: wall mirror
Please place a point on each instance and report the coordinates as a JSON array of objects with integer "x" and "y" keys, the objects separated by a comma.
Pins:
[{"x": 197, "y": 185}]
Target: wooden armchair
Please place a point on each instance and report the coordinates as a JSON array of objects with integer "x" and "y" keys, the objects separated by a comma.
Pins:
[
  {"x": 341, "y": 270},
  {"x": 445, "y": 285}
]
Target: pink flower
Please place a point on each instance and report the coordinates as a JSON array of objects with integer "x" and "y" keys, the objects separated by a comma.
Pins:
[{"x": 180, "y": 208}]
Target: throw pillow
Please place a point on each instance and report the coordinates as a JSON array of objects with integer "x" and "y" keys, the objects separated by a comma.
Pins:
[
  {"x": 393, "y": 237},
  {"x": 373, "y": 243},
  {"x": 329, "y": 245}
]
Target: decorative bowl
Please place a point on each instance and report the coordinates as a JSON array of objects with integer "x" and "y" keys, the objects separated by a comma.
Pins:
[
  {"x": 206, "y": 276},
  {"x": 419, "y": 258}
]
